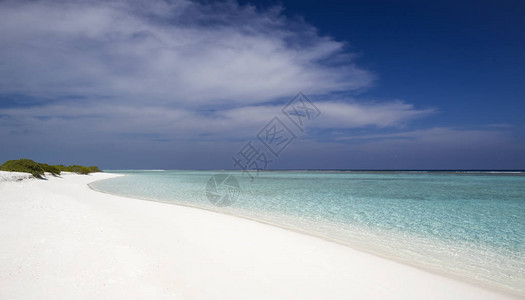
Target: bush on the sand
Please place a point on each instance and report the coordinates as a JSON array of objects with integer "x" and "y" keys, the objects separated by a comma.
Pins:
[
  {"x": 62, "y": 168},
  {"x": 94, "y": 169},
  {"x": 23, "y": 165},
  {"x": 78, "y": 169},
  {"x": 51, "y": 169},
  {"x": 38, "y": 169}
]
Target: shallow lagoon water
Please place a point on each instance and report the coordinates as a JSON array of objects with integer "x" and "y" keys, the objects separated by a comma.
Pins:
[{"x": 466, "y": 224}]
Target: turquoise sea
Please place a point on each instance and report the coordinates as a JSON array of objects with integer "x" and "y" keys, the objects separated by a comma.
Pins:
[{"x": 466, "y": 224}]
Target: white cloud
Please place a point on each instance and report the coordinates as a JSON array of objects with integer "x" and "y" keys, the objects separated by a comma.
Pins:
[
  {"x": 176, "y": 52},
  {"x": 355, "y": 114},
  {"x": 173, "y": 69},
  {"x": 241, "y": 122}
]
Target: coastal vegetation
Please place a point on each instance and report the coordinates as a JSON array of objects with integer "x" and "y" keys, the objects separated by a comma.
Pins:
[{"x": 39, "y": 169}]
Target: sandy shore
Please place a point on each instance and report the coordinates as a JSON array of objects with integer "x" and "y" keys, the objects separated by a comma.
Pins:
[{"x": 60, "y": 239}]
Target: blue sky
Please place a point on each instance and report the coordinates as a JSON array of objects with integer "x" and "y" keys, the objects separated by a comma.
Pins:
[{"x": 181, "y": 84}]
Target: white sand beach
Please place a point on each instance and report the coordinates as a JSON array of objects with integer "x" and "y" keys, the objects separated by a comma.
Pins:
[{"x": 62, "y": 240}]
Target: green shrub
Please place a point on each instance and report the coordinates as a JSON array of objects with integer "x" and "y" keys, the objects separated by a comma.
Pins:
[
  {"x": 62, "y": 168},
  {"x": 78, "y": 169},
  {"x": 38, "y": 169},
  {"x": 94, "y": 169},
  {"x": 23, "y": 165},
  {"x": 51, "y": 169}
]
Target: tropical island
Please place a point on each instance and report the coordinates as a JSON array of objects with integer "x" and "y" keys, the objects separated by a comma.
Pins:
[{"x": 262, "y": 149}]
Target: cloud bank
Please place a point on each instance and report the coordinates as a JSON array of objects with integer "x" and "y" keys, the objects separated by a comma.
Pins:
[
  {"x": 154, "y": 65},
  {"x": 179, "y": 52},
  {"x": 148, "y": 77}
]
